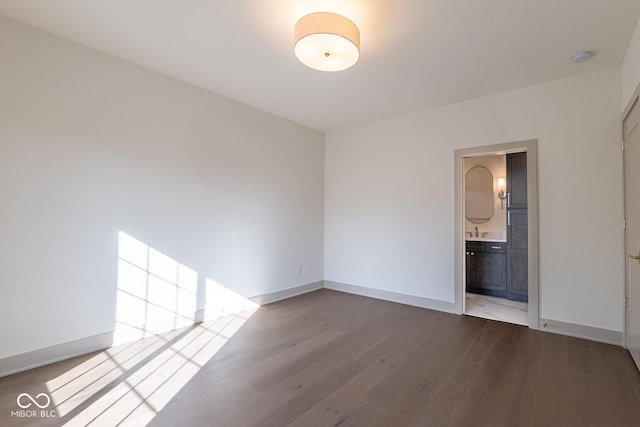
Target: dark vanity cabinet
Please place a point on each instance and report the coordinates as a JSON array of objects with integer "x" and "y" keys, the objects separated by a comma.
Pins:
[
  {"x": 486, "y": 268},
  {"x": 517, "y": 226}
]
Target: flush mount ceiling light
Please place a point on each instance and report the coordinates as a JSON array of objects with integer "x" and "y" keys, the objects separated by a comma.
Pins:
[{"x": 326, "y": 41}]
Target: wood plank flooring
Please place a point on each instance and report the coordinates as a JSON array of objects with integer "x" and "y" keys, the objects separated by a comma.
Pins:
[{"x": 333, "y": 359}]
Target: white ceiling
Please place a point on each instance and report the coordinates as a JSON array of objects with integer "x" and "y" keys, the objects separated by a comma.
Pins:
[{"x": 415, "y": 54}]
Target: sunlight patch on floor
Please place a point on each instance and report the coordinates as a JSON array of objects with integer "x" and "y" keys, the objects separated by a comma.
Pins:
[{"x": 131, "y": 382}]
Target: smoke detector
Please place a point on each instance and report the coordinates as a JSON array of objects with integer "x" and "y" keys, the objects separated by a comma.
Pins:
[{"x": 582, "y": 56}]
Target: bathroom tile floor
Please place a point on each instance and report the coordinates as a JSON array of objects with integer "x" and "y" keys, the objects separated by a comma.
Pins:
[{"x": 495, "y": 308}]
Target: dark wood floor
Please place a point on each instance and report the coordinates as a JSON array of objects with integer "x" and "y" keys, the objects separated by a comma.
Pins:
[{"x": 328, "y": 359}]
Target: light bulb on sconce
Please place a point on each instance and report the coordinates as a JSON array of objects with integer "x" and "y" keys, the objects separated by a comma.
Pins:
[{"x": 501, "y": 193}]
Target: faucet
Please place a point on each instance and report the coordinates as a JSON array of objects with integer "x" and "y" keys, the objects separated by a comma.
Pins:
[{"x": 476, "y": 231}]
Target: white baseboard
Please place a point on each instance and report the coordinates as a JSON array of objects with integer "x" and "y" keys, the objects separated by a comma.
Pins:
[
  {"x": 415, "y": 301},
  {"x": 55, "y": 353},
  {"x": 547, "y": 325},
  {"x": 287, "y": 293},
  {"x": 606, "y": 336}
]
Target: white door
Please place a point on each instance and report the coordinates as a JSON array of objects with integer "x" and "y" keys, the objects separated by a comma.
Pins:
[{"x": 632, "y": 214}]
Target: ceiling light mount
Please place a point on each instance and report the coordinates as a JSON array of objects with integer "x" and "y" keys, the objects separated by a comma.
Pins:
[{"x": 326, "y": 41}]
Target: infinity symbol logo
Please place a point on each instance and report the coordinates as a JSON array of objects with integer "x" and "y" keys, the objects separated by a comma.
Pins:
[{"x": 35, "y": 402}]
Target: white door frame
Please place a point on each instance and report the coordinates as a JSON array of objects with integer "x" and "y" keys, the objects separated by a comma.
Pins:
[
  {"x": 531, "y": 147},
  {"x": 625, "y": 113}
]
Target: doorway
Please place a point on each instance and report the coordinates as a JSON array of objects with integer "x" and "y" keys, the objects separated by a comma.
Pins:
[
  {"x": 495, "y": 189},
  {"x": 486, "y": 253}
]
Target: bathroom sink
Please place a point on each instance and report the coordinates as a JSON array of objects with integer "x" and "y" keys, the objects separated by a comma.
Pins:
[{"x": 487, "y": 236}]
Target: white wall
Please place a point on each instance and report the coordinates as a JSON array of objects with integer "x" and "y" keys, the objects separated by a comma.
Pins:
[
  {"x": 389, "y": 202},
  {"x": 90, "y": 145},
  {"x": 498, "y": 166},
  {"x": 630, "y": 68}
]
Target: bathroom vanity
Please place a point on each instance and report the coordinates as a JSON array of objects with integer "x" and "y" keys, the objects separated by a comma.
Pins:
[
  {"x": 486, "y": 266},
  {"x": 488, "y": 270}
]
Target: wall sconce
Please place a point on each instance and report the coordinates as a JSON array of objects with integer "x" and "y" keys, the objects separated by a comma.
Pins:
[{"x": 501, "y": 194}]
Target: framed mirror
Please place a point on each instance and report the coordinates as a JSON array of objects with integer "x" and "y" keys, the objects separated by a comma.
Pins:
[{"x": 478, "y": 195}]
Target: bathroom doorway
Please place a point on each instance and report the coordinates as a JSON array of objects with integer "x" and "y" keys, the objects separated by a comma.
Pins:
[
  {"x": 496, "y": 232},
  {"x": 495, "y": 269}
]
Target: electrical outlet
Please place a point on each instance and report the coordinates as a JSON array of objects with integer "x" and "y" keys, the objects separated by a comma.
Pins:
[{"x": 299, "y": 269}]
